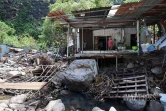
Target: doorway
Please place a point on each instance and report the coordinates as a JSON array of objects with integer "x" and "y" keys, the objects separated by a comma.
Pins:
[
  {"x": 133, "y": 40},
  {"x": 102, "y": 43}
]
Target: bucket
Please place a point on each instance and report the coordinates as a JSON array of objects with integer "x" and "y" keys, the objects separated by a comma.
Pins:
[{"x": 134, "y": 47}]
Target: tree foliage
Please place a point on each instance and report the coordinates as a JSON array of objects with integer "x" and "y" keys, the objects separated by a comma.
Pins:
[
  {"x": 51, "y": 29},
  {"x": 8, "y": 36},
  {"x": 52, "y": 34},
  {"x": 5, "y": 31},
  {"x": 71, "y": 5},
  {"x": 128, "y": 1}
]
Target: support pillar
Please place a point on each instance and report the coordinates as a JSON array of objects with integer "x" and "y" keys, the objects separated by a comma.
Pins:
[
  {"x": 68, "y": 39},
  {"x": 82, "y": 39}
]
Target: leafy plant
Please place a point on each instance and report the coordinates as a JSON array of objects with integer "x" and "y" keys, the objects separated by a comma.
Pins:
[
  {"x": 27, "y": 40},
  {"x": 129, "y": 1},
  {"x": 5, "y": 31}
]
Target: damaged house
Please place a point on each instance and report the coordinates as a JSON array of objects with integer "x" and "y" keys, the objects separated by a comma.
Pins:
[{"x": 135, "y": 75}]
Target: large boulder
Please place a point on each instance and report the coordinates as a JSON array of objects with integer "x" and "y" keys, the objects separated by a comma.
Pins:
[
  {"x": 136, "y": 104},
  {"x": 79, "y": 74},
  {"x": 154, "y": 106}
]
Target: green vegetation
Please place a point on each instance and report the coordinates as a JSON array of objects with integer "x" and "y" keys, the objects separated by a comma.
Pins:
[
  {"x": 52, "y": 32},
  {"x": 128, "y": 1},
  {"x": 21, "y": 24},
  {"x": 7, "y": 36},
  {"x": 71, "y": 5},
  {"x": 5, "y": 32}
]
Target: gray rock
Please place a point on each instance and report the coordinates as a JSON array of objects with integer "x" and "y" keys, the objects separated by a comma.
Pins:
[
  {"x": 79, "y": 74},
  {"x": 156, "y": 70},
  {"x": 112, "y": 109},
  {"x": 3, "y": 106},
  {"x": 154, "y": 106},
  {"x": 66, "y": 92},
  {"x": 136, "y": 104},
  {"x": 130, "y": 65},
  {"x": 30, "y": 108},
  {"x": 97, "y": 109},
  {"x": 7, "y": 109},
  {"x": 14, "y": 73},
  {"x": 18, "y": 99},
  {"x": 4, "y": 101},
  {"x": 55, "y": 105},
  {"x": 19, "y": 107}
]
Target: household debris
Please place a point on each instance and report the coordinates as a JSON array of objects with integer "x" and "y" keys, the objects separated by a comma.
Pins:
[{"x": 43, "y": 80}]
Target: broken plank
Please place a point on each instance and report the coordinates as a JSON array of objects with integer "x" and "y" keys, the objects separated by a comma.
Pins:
[
  {"x": 130, "y": 86},
  {"x": 128, "y": 82},
  {"x": 23, "y": 85},
  {"x": 129, "y": 91}
]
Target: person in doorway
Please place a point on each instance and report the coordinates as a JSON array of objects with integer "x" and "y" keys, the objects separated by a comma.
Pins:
[{"x": 110, "y": 43}]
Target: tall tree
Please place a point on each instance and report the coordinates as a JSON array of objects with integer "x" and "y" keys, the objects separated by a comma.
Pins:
[{"x": 50, "y": 32}]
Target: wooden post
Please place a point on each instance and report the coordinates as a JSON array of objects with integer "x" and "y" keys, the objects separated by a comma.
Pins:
[
  {"x": 154, "y": 34},
  {"x": 68, "y": 39},
  {"x": 82, "y": 39}
]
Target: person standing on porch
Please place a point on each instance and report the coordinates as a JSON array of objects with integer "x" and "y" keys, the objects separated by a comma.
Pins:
[{"x": 110, "y": 43}]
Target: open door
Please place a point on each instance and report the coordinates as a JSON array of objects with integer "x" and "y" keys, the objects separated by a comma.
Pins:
[{"x": 133, "y": 40}]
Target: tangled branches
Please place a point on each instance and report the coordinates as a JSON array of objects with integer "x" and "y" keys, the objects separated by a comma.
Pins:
[{"x": 101, "y": 87}]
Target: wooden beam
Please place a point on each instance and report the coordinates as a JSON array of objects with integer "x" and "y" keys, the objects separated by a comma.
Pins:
[{"x": 23, "y": 85}]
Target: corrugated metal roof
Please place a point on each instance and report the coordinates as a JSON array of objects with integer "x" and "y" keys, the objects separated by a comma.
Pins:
[
  {"x": 128, "y": 8},
  {"x": 125, "y": 15}
]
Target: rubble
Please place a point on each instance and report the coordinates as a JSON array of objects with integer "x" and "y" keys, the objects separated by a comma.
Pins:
[{"x": 37, "y": 82}]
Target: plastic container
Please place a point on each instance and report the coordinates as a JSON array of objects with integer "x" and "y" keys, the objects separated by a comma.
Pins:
[
  {"x": 163, "y": 100},
  {"x": 134, "y": 47},
  {"x": 145, "y": 47},
  {"x": 151, "y": 48},
  {"x": 3, "y": 49}
]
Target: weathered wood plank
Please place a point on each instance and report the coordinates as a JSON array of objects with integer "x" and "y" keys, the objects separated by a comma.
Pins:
[{"x": 23, "y": 85}]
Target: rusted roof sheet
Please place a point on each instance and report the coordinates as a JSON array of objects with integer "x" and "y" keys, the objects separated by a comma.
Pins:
[
  {"x": 128, "y": 8},
  {"x": 157, "y": 10},
  {"x": 57, "y": 15}
]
